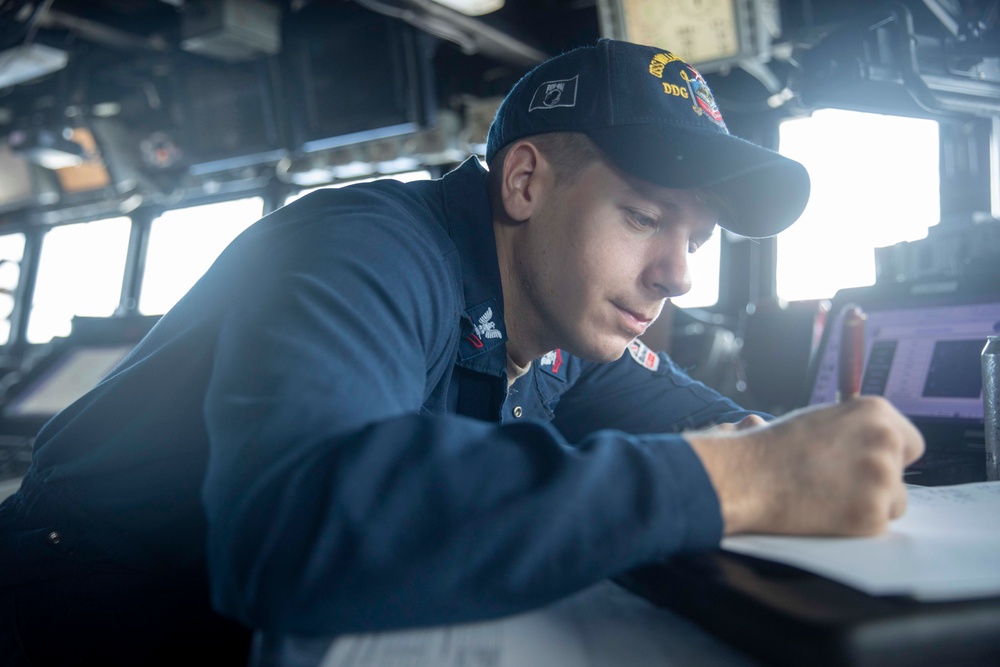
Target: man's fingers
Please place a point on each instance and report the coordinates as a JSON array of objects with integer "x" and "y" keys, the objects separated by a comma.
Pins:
[
  {"x": 897, "y": 506},
  {"x": 913, "y": 447},
  {"x": 749, "y": 422},
  {"x": 912, "y": 439},
  {"x": 832, "y": 470}
]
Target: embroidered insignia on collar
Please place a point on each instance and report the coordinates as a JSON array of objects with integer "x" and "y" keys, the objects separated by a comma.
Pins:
[
  {"x": 482, "y": 329},
  {"x": 552, "y": 363},
  {"x": 644, "y": 356}
]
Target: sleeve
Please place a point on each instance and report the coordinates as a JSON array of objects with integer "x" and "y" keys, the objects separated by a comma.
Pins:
[
  {"x": 642, "y": 394},
  {"x": 335, "y": 505}
]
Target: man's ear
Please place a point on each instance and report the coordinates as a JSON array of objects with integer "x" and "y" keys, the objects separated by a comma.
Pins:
[{"x": 525, "y": 175}]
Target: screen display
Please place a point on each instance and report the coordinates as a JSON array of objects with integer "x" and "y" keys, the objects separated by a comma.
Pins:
[
  {"x": 70, "y": 377},
  {"x": 925, "y": 360}
]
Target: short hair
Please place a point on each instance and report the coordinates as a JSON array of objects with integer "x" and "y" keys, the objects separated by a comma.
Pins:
[{"x": 569, "y": 153}]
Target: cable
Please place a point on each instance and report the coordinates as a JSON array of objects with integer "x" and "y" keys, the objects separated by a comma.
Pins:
[{"x": 34, "y": 21}]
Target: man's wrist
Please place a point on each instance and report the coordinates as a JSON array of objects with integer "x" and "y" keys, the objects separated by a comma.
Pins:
[{"x": 728, "y": 460}]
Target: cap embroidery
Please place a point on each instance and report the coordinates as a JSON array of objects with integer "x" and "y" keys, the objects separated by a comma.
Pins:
[
  {"x": 704, "y": 102},
  {"x": 659, "y": 61},
  {"x": 553, "y": 94}
]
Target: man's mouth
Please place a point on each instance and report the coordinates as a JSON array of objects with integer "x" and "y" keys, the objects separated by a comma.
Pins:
[{"x": 636, "y": 323}]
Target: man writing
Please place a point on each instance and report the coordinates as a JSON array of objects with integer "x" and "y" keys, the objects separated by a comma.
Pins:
[{"x": 396, "y": 405}]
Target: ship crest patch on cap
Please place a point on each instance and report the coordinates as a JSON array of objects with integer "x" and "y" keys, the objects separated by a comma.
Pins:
[
  {"x": 551, "y": 94},
  {"x": 692, "y": 88},
  {"x": 704, "y": 101}
]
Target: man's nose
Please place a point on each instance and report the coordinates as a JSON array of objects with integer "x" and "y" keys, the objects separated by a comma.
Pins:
[{"x": 667, "y": 271}]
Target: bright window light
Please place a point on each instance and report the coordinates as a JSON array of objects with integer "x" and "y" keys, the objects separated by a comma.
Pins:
[
  {"x": 405, "y": 177},
  {"x": 472, "y": 7},
  {"x": 80, "y": 272},
  {"x": 184, "y": 242},
  {"x": 704, "y": 268},
  {"x": 875, "y": 183},
  {"x": 11, "y": 253}
]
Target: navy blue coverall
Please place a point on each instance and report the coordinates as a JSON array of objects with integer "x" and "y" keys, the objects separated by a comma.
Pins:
[{"x": 319, "y": 439}]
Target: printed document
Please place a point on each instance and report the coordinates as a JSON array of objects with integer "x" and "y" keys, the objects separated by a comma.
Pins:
[{"x": 945, "y": 547}]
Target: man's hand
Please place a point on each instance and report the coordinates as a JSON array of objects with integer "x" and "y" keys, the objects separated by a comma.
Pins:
[
  {"x": 747, "y": 422},
  {"x": 825, "y": 470}
]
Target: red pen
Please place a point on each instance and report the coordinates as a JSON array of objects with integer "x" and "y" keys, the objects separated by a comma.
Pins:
[{"x": 852, "y": 353}]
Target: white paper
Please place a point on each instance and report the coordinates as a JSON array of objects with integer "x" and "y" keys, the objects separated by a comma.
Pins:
[
  {"x": 602, "y": 626},
  {"x": 945, "y": 547}
]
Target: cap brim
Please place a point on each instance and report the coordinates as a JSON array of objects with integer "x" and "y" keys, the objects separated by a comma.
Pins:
[{"x": 766, "y": 191}]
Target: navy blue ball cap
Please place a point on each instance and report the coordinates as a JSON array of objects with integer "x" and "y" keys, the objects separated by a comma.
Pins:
[{"x": 656, "y": 119}]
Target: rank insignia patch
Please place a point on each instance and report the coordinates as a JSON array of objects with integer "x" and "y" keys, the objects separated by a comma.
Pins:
[
  {"x": 482, "y": 329},
  {"x": 552, "y": 363},
  {"x": 644, "y": 356}
]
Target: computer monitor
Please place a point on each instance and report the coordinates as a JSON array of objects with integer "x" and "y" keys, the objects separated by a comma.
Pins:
[
  {"x": 924, "y": 358},
  {"x": 67, "y": 378},
  {"x": 922, "y": 349}
]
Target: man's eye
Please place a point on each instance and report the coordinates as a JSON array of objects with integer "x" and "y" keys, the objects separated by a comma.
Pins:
[{"x": 641, "y": 220}]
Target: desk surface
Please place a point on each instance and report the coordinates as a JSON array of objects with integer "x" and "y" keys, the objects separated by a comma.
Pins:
[
  {"x": 935, "y": 602},
  {"x": 602, "y": 626}
]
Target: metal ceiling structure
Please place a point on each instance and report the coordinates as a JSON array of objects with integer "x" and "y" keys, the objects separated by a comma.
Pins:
[{"x": 170, "y": 97}]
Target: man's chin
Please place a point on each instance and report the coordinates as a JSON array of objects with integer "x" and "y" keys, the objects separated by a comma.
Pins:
[{"x": 602, "y": 354}]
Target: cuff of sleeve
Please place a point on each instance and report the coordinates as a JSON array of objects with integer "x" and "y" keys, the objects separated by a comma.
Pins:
[{"x": 694, "y": 518}]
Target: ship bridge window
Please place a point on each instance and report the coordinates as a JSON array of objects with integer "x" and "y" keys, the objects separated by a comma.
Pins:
[
  {"x": 405, "y": 177},
  {"x": 875, "y": 183},
  {"x": 704, "y": 268},
  {"x": 184, "y": 242},
  {"x": 80, "y": 272},
  {"x": 11, "y": 253}
]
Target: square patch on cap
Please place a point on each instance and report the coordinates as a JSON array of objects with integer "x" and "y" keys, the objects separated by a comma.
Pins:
[{"x": 552, "y": 94}]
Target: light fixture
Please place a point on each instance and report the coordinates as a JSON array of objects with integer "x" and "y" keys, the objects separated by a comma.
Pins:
[
  {"x": 472, "y": 7},
  {"x": 28, "y": 62},
  {"x": 46, "y": 148}
]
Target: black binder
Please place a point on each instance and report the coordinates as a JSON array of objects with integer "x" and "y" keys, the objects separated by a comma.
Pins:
[{"x": 786, "y": 616}]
